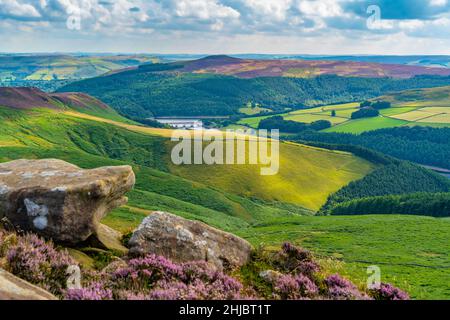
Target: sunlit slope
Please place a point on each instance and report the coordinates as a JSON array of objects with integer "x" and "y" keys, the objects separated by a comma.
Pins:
[
  {"x": 307, "y": 176},
  {"x": 32, "y": 134}
]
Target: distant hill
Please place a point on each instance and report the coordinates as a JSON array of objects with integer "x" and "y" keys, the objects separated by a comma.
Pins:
[
  {"x": 64, "y": 67},
  {"x": 221, "y": 85},
  {"x": 306, "y": 68},
  {"x": 417, "y": 60}
]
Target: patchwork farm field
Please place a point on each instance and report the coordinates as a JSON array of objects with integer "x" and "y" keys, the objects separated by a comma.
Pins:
[{"x": 409, "y": 108}]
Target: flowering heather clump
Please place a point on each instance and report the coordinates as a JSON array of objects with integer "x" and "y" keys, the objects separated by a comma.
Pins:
[
  {"x": 388, "y": 292},
  {"x": 297, "y": 260},
  {"x": 33, "y": 260},
  {"x": 296, "y": 253},
  {"x": 295, "y": 287},
  {"x": 157, "y": 278},
  {"x": 94, "y": 292},
  {"x": 339, "y": 288}
]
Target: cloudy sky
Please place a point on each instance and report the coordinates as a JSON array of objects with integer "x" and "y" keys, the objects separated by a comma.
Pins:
[{"x": 226, "y": 26}]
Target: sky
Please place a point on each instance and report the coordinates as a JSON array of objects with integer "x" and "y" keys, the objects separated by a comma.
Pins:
[{"x": 402, "y": 27}]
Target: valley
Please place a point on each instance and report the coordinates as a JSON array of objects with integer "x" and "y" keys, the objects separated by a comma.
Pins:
[
  {"x": 261, "y": 210},
  {"x": 313, "y": 179}
]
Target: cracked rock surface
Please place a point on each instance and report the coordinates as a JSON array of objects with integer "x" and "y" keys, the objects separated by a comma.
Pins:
[{"x": 58, "y": 200}]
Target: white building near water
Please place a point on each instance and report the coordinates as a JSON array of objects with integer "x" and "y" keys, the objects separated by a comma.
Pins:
[{"x": 182, "y": 123}]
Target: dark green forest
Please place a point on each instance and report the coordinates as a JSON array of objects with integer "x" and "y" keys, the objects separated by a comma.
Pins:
[
  {"x": 424, "y": 145},
  {"x": 401, "y": 178},
  {"x": 431, "y": 204}
]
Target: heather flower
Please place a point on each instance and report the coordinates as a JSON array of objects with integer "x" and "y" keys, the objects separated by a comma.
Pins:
[
  {"x": 289, "y": 287},
  {"x": 296, "y": 260},
  {"x": 297, "y": 253},
  {"x": 95, "y": 291},
  {"x": 339, "y": 288},
  {"x": 38, "y": 262},
  {"x": 387, "y": 291}
]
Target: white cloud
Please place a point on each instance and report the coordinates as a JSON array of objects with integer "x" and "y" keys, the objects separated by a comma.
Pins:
[
  {"x": 14, "y": 8},
  {"x": 320, "y": 8},
  {"x": 438, "y": 3},
  {"x": 204, "y": 9},
  {"x": 270, "y": 9}
]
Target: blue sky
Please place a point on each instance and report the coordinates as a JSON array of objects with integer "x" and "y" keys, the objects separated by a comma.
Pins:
[{"x": 226, "y": 26}]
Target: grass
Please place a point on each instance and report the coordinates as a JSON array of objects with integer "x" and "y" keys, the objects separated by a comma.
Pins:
[
  {"x": 412, "y": 251},
  {"x": 400, "y": 245},
  {"x": 423, "y": 107},
  {"x": 253, "y": 111},
  {"x": 309, "y": 118},
  {"x": 307, "y": 176},
  {"x": 343, "y": 113},
  {"x": 367, "y": 124}
]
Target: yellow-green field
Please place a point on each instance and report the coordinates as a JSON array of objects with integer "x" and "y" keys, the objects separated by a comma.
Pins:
[
  {"x": 253, "y": 111},
  {"x": 343, "y": 114},
  {"x": 307, "y": 176}
]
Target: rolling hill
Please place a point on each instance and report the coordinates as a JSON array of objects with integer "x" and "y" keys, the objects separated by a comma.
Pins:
[
  {"x": 207, "y": 87},
  {"x": 63, "y": 67},
  {"x": 302, "y": 68},
  {"x": 271, "y": 213},
  {"x": 247, "y": 68}
]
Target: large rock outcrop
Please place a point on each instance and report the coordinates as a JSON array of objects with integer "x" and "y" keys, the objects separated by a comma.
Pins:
[
  {"x": 13, "y": 288},
  {"x": 58, "y": 200},
  {"x": 184, "y": 240}
]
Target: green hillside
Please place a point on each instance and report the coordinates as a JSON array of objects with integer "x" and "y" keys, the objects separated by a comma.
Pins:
[
  {"x": 163, "y": 90},
  {"x": 356, "y": 242},
  {"x": 307, "y": 176}
]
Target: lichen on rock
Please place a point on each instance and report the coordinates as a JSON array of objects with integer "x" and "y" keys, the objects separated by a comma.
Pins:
[{"x": 58, "y": 200}]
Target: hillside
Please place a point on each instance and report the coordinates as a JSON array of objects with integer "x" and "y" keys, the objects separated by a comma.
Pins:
[
  {"x": 179, "y": 89},
  {"x": 247, "y": 68},
  {"x": 90, "y": 141},
  {"x": 33, "y": 98},
  {"x": 63, "y": 67}
]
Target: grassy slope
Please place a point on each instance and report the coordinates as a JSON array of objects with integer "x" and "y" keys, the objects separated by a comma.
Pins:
[
  {"x": 412, "y": 252},
  {"x": 307, "y": 176},
  {"x": 391, "y": 242}
]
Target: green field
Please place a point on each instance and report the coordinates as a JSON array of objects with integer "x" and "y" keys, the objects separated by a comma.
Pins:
[
  {"x": 412, "y": 252},
  {"x": 343, "y": 114},
  {"x": 400, "y": 245},
  {"x": 253, "y": 111},
  {"x": 368, "y": 124},
  {"x": 403, "y": 112}
]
